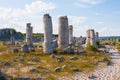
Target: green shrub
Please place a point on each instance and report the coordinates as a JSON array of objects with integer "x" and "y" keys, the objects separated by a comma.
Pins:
[
  {"x": 118, "y": 47},
  {"x": 90, "y": 48}
]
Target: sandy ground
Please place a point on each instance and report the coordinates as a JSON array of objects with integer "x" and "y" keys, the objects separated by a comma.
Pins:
[{"x": 111, "y": 72}]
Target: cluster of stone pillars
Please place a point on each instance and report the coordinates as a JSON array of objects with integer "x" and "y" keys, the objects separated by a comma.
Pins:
[
  {"x": 91, "y": 38},
  {"x": 65, "y": 33}
]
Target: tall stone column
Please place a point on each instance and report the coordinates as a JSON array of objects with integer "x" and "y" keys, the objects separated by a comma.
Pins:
[
  {"x": 63, "y": 32},
  {"x": 47, "y": 22},
  {"x": 90, "y": 37},
  {"x": 70, "y": 34},
  {"x": 97, "y": 36},
  {"x": 92, "y": 41},
  {"x": 87, "y": 37},
  {"x": 12, "y": 38},
  {"x": 29, "y": 34}
]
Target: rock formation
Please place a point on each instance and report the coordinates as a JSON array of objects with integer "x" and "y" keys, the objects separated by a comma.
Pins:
[
  {"x": 47, "y": 22},
  {"x": 29, "y": 34},
  {"x": 90, "y": 38},
  {"x": 63, "y": 32},
  {"x": 70, "y": 34}
]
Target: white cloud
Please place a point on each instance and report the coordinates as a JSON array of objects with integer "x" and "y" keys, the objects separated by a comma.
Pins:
[
  {"x": 108, "y": 31},
  {"x": 100, "y": 22},
  {"x": 77, "y": 19},
  {"x": 18, "y": 17},
  {"x": 97, "y": 14},
  {"x": 39, "y": 6},
  {"x": 29, "y": 9},
  {"x": 81, "y": 5},
  {"x": 79, "y": 26},
  {"x": 93, "y": 2},
  {"x": 87, "y": 3}
]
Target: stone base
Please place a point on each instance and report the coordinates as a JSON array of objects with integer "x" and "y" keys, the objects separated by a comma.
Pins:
[{"x": 47, "y": 47}]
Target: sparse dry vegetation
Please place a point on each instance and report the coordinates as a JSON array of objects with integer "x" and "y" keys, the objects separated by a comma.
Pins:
[{"x": 45, "y": 65}]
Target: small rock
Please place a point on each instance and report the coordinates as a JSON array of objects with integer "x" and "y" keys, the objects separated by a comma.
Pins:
[
  {"x": 15, "y": 50},
  {"x": 34, "y": 59},
  {"x": 64, "y": 66},
  {"x": 39, "y": 78},
  {"x": 92, "y": 77},
  {"x": 21, "y": 60},
  {"x": 14, "y": 60},
  {"x": 75, "y": 69},
  {"x": 31, "y": 49},
  {"x": 33, "y": 70},
  {"x": 6, "y": 64},
  {"x": 69, "y": 49},
  {"x": 23, "y": 78},
  {"x": 0, "y": 73},
  {"x": 60, "y": 59},
  {"x": 73, "y": 58},
  {"x": 25, "y": 48},
  {"x": 52, "y": 56},
  {"x": 57, "y": 69}
]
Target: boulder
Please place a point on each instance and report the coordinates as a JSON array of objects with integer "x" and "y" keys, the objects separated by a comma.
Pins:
[
  {"x": 25, "y": 48},
  {"x": 55, "y": 44}
]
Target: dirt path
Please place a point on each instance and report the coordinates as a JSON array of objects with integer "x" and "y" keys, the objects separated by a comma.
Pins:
[{"x": 111, "y": 72}]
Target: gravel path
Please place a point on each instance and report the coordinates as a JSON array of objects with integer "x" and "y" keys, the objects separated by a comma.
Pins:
[{"x": 111, "y": 72}]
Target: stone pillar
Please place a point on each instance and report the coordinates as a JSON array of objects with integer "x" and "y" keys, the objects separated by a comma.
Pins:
[
  {"x": 63, "y": 32},
  {"x": 87, "y": 37},
  {"x": 47, "y": 22},
  {"x": 12, "y": 38},
  {"x": 29, "y": 34},
  {"x": 70, "y": 34},
  {"x": 97, "y": 36},
  {"x": 90, "y": 38}
]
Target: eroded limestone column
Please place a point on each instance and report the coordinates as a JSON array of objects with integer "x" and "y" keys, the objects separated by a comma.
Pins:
[
  {"x": 29, "y": 34},
  {"x": 12, "y": 38},
  {"x": 63, "y": 32},
  {"x": 90, "y": 37},
  {"x": 70, "y": 34},
  {"x": 47, "y": 22},
  {"x": 97, "y": 36},
  {"x": 87, "y": 37}
]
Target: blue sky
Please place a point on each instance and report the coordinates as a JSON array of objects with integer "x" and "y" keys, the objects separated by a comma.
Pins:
[{"x": 101, "y": 15}]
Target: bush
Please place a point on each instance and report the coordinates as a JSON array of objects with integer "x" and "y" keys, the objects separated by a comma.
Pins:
[
  {"x": 118, "y": 47},
  {"x": 90, "y": 48}
]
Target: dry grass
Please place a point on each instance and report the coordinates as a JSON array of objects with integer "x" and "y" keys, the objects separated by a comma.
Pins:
[{"x": 46, "y": 65}]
